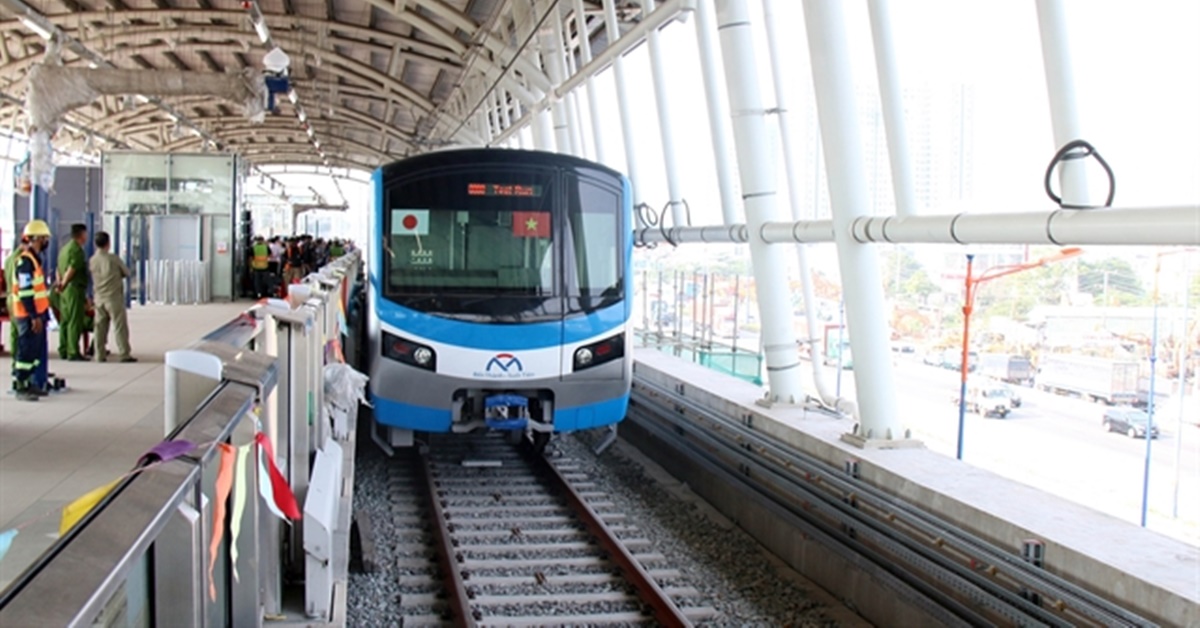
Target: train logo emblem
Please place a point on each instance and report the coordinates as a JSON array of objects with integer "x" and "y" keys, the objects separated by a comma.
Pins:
[{"x": 505, "y": 362}]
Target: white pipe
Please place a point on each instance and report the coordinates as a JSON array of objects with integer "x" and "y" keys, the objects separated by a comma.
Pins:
[
  {"x": 666, "y": 126},
  {"x": 862, "y": 288},
  {"x": 718, "y": 110},
  {"x": 1178, "y": 225},
  {"x": 827, "y": 395},
  {"x": 1165, "y": 226},
  {"x": 752, "y": 137},
  {"x": 585, "y": 52},
  {"x": 893, "y": 107},
  {"x": 1060, "y": 86}
]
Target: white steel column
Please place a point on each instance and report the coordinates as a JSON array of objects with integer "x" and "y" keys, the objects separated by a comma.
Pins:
[
  {"x": 666, "y": 126},
  {"x": 567, "y": 102},
  {"x": 893, "y": 107},
  {"x": 752, "y": 137},
  {"x": 576, "y": 120},
  {"x": 585, "y": 52},
  {"x": 718, "y": 111},
  {"x": 552, "y": 58},
  {"x": 505, "y": 115},
  {"x": 631, "y": 163},
  {"x": 1060, "y": 86},
  {"x": 862, "y": 289},
  {"x": 826, "y": 395}
]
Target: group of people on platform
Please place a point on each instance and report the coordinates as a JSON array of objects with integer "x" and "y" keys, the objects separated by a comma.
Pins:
[
  {"x": 278, "y": 262},
  {"x": 31, "y": 297}
]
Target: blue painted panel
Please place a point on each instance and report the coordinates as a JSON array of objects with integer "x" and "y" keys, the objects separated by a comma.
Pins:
[
  {"x": 410, "y": 417},
  {"x": 591, "y": 415}
]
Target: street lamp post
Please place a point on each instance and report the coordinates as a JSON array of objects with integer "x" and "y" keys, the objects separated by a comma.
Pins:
[
  {"x": 1154, "y": 376},
  {"x": 968, "y": 305},
  {"x": 972, "y": 284}
]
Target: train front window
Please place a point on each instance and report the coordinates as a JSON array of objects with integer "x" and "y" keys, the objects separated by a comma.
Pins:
[
  {"x": 470, "y": 234},
  {"x": 595, "y": 276},
  {"x": 459, "y": 251}
]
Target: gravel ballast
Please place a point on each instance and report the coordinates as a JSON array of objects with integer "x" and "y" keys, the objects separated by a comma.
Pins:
[{"x": 731, "y": 572}]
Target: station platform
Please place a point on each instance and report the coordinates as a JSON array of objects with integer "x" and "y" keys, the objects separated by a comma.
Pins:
[{"x": 55, "y": 450}]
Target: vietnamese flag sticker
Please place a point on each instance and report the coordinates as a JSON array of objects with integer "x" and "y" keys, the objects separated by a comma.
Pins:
[{"x": 531, "y": 224}]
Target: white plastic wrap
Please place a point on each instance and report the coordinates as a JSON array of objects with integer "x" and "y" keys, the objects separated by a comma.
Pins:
[{"x": 345, "y": 389}]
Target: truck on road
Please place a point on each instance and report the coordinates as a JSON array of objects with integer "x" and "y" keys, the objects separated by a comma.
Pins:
[
  {"x": 1013, "y": 369},
  {"x": 1099, "y": 379}
]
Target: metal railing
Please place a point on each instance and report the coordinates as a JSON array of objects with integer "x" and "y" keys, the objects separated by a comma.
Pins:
[
  {"x": 143, "y": 555},
  {"x": 177, "y": 282}
]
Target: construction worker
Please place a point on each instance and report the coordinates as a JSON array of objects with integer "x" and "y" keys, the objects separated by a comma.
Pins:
[
  {"x": 336, "y": 250},
  {"x": 31, "y": 307},
  {"x": 108, "y": 293},
  {"x": 72, "y": 288},
  {"x": 260, "y": 260}
]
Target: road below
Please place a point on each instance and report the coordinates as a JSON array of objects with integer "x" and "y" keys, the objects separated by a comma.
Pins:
[{"x": 1056, "y": 444}]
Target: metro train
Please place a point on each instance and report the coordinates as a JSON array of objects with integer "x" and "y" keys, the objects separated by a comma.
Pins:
[{"x": 498, "y": 296}]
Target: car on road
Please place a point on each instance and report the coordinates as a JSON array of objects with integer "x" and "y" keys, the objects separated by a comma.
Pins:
[
  {"x": 989, "y": 400},
  {"x": 1131, "y": 421}
]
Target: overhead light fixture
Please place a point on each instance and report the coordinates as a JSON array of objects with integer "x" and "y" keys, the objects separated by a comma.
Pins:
[
  {"x": 93, "y": 65},
  {"x": 310, "y": 132},
  {"x": 260, "y": 27},
  {"x": 41, "y": 31},
  {"x": 292, "y": 96},
  {"x": 303, "y": 116}
]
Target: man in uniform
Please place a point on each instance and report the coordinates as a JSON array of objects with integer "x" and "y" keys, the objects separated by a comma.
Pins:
[
  {"x": 72, "y": 288},
  {"x": 31, "y": 307},
  {"x": 108, "y": 293},
  {"x": 260, "y": 259},
  {"x": 10, "y": 280}
]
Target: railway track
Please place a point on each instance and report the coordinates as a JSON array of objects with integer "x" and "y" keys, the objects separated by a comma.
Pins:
[{"x": 491, "y": 534}]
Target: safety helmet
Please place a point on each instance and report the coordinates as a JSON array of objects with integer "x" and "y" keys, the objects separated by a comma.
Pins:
[{"x": 37, "y": 229}]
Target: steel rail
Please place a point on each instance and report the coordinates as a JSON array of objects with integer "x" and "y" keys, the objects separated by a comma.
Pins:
[
  {"x": 940, "y": 605},
  {"x": 665, "y": 612},
  {"x": 459, "y": 597},
  {"x": 1024, "y": 574},
  {"x": 1066, "y": 596},
  {"x": 887, "y": 552}
]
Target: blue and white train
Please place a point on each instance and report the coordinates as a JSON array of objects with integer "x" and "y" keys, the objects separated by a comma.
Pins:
[{"x": 499, "y": 294}]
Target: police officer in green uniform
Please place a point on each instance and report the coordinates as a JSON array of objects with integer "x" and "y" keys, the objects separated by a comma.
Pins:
[
  {"x": 10, "y": 279},
  {"x": 72, "y": 286}
]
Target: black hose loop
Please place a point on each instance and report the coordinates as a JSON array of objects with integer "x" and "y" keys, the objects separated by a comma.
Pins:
[{"x": 1078, "y": 149}]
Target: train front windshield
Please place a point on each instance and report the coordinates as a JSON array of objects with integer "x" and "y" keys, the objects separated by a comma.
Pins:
[{"x": 505, "y": 244}]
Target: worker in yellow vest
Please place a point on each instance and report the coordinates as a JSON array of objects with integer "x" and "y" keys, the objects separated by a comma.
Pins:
[
  {"x": 31, "y": 307},
  {"x": 260, "y": 260}
]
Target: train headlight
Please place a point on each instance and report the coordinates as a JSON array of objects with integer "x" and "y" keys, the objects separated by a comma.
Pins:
[
  {"x": 406, "y": 351},
  {"x": 583, "y": 357},
  {"x": 597, "y": 353}
]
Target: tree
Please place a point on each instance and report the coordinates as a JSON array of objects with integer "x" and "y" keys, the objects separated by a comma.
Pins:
[
  {"x": 904, "y": 277},
  {"x": 919, "y": 285},
  {"x": 1111, "y": 281}
]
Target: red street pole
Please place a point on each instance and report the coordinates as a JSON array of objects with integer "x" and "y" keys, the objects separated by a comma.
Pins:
[{"x": 962, "y": 392}]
